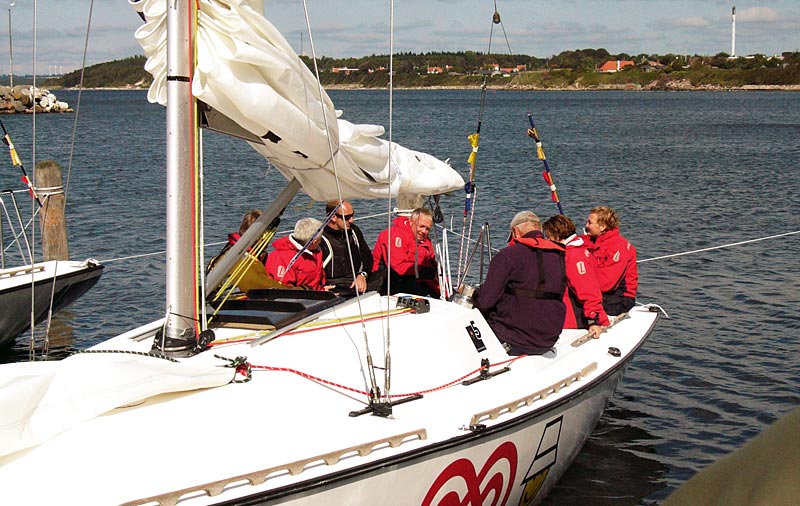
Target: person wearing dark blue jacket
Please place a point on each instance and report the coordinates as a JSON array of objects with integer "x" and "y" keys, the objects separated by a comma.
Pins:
[
  {"x": 336, "y": 253},
  {"x": 521, "y": 297}
]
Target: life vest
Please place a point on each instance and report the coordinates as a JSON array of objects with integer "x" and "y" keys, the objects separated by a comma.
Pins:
[{"x": 547, "y": 288}]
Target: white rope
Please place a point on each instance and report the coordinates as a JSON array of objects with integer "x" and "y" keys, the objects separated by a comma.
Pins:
[
  {"x": 719, "y": 247},
  {"x": 451, "y": 231}
]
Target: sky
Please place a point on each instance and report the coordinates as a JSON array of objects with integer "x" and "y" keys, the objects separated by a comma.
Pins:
[{"x": 341, "y": 28}]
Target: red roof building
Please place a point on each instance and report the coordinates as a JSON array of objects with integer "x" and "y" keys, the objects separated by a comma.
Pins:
[{"x": 615, "y": 65}]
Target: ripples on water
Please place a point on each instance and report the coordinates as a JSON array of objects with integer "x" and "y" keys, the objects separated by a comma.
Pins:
[{"x": 685, "y": 170}]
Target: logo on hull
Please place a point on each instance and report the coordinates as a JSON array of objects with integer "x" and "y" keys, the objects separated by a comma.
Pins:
[{"x": 460, "y": 485}]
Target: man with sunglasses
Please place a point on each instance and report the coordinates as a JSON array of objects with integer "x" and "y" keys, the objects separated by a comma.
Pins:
[{"x": 336, "y": 254}]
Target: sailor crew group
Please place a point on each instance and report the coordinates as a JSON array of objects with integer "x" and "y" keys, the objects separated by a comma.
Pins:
[{"x": 547, "y": 278}]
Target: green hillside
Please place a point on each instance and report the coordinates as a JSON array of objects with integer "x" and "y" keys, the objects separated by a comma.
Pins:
[
  {"x": 570, "y": 69},
  {"x": 125, "y": 73}
]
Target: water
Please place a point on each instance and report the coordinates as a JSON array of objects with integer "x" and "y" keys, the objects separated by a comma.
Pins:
[{"x": 685, "y": 170}]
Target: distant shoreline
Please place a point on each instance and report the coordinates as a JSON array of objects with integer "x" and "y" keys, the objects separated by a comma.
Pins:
[{"x": 675, "y": 86}]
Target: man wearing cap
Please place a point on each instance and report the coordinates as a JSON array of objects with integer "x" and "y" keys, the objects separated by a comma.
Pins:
[{"x": 521, "y": 297}]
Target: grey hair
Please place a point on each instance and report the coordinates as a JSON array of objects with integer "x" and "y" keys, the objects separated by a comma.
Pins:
[{"x": 304, "y": 229}]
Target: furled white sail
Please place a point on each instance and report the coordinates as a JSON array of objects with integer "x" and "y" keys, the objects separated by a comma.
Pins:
[
  {"x": 50, "y": 397},
  {"x": 247, "y": 71}
]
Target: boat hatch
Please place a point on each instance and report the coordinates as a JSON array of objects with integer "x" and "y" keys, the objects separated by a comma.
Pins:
[{"x": 274, "y": 308}]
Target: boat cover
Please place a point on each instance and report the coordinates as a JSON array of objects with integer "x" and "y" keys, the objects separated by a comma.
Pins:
[
  {"x": 50, "y": 397},
  {"x": 248, "y": 72}
]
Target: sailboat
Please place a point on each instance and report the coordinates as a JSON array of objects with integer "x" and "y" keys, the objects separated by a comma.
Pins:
[
  {"x": 71, "y": 279},
  {"x": 32, "y": 290},
  {"x": 292, "y": 396}
]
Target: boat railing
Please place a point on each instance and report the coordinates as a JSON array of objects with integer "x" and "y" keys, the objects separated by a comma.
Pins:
[{"x": 15, "y": 246}]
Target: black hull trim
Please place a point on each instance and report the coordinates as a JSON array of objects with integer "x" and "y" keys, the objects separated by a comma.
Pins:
[{"x": 16, "y": 302}]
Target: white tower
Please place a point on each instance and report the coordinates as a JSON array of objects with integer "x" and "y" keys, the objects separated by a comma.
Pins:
[{"x": 733, "y": 32}]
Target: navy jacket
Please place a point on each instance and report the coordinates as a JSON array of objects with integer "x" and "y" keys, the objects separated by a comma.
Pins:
[{"x": 524, "y": 308}]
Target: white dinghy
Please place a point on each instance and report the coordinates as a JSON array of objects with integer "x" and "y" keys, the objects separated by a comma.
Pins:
[{"x": 288, "y": 396}]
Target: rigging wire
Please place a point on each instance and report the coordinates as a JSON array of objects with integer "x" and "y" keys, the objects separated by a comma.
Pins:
[
  {"x": 469, "y": 188},
  {"x": 32, "y": 344},
  {"x": 532, "y": 131},
  {"x": 387, "y": 336},
  {"x": 320, "y": 93},
  {"x": 643, "y": 260}
]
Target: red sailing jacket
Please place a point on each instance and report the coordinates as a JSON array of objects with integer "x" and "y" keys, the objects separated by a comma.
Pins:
[
  {"x": 583, "y": 289},
  {"x": 615, "y": 259},
  {"x": 406, "y": 253},
  {"x": 306, "y": 271}
]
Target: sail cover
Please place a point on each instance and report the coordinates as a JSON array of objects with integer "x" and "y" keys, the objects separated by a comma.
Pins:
[{"x": 248, "y": 72}]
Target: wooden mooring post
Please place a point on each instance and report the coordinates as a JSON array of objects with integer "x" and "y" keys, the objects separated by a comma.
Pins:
[{"x": 52, "y": 216}]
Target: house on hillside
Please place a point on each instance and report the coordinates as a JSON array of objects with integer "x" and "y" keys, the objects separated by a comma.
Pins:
[
  {"x": 615, "y": 65},
  {"x": 434, "y": 70},
  {"x": 343, "y": 70}
]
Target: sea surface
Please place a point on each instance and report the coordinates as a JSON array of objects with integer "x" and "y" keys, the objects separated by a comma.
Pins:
[{"x": 686, "y": 171}]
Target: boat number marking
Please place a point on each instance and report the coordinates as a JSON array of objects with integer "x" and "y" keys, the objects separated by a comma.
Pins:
[
  {"x": 460, "y": 485},
  {"x": 475, "y": 335}
]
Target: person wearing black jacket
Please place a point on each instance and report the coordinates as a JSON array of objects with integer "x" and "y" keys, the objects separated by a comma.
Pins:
[{"x": 336, "y": 254}]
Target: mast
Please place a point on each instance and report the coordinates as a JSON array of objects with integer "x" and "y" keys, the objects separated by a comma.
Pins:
[{"x": 179, "y": 334}]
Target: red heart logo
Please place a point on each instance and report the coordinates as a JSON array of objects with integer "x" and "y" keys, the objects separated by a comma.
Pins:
[{"x": 493, "y": 480}]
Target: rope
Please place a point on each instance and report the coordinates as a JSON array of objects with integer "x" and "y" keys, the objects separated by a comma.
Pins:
[
  {"x": 719, "y": 247},
  {"x": 340, "y": 386}
]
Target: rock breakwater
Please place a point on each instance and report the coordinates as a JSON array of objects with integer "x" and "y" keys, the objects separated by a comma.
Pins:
[{"x": 27, "y": 99}]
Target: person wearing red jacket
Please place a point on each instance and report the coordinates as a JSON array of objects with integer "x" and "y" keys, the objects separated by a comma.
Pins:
[
  {"x": 306, "y": 271},
  {"x": 615, "y": 259},
  {"x": 412, "y": 259},
  {"x": 583, "y": 297},
  {"x": 249, "y": 218}
]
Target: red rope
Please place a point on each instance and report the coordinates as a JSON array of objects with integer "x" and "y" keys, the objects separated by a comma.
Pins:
[{"x": 395, "y": 396}]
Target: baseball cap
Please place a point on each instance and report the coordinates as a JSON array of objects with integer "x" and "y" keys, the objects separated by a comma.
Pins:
[{"x": 523, "y": 217}]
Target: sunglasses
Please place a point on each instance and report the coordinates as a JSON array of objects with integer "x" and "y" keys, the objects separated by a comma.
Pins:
[{"x": 345, "y": 217}]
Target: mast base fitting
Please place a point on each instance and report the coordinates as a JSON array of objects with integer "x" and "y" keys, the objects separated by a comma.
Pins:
[
  {"x": 418, "y": 304},
  {"x": 182, "y": 346}
]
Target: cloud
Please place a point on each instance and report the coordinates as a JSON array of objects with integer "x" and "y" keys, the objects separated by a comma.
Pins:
[
  {"x": 690, "y": 22},
  {"x": 757, "y": 14}
]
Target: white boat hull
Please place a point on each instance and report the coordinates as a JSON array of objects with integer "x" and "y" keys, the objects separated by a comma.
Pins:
[{"x": 287, "y": 438}]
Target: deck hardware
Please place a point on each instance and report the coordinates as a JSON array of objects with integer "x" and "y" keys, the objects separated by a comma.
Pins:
[
  {"x": 474, "y": 334},
  {"x": 484, "y": 373},
  {"x": 384, "y": 409},
  {"x": 614, "y": 352},
  {"x": 511, "y": 407},
  {"x": 204, "y": 340},
  {"x": 478, "y": 427},
  {"x": 419, "y": 304}
]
